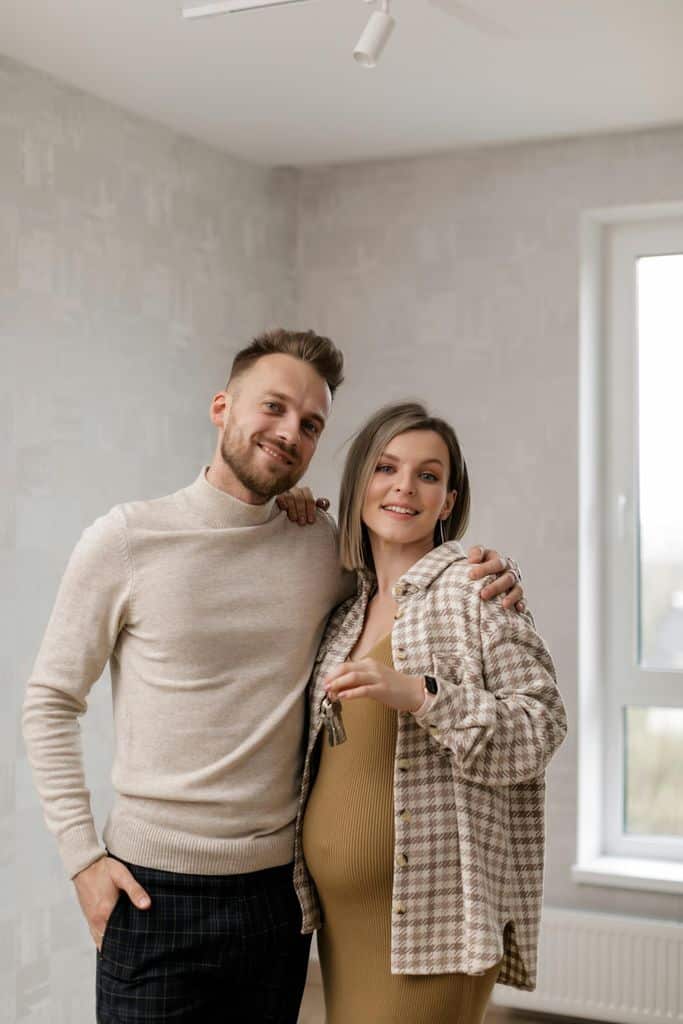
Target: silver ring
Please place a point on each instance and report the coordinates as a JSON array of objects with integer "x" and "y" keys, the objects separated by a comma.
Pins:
[{"x": 511, "y": 569}]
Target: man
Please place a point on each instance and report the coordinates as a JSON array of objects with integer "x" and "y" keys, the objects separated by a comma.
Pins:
[{"x": 209, "y": 604}]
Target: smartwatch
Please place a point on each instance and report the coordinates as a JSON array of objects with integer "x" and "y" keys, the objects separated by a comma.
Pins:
[{"x": 431, "y": 685}]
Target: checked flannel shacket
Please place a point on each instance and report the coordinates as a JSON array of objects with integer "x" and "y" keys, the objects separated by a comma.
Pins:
[{"x": 469, "y": 775}]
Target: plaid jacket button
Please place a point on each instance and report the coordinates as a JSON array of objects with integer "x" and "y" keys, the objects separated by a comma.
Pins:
[
  {"x": 399, "y": 613},
  {"x": 399, "y": 908},
  {"x": 405, "y": 814},
  {"x": 401, "y": 860},
  {"x": 401, "y": 653},
  {"x": 403, "y": 764}
]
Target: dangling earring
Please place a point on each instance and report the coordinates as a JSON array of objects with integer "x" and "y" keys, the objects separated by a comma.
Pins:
[{"x": 443, "y": 539}]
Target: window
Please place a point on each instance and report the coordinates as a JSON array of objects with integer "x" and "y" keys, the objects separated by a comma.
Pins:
[
  {"x": 631, "y": 540},
  {"x": 659, "y": 293}
]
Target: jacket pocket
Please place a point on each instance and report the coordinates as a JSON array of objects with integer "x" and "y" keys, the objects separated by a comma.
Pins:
[{"x": 457, "y": 667}]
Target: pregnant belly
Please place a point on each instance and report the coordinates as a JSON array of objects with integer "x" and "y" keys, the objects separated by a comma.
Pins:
[{"x": 348, "y": 830}]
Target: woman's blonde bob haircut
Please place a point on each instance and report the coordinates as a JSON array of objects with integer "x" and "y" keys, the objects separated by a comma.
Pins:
[{"x": 361, "y": 461}]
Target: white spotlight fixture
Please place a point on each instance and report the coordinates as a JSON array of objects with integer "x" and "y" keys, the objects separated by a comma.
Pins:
[{"x": 375, "y": 37}]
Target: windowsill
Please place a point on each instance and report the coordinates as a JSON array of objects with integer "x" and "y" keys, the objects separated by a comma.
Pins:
[{"x": 630, "y": 873}]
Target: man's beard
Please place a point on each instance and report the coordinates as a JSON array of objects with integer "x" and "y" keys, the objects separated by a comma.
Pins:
[{"x": 237, "y": 454}]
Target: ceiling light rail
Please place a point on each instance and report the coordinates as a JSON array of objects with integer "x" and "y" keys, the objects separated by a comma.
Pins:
[
  {"x": 234, "y": 7},
  {"x": 368, "y": 49}
]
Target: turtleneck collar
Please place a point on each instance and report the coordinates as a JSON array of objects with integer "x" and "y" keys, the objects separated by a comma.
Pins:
[{"x": 221, "y": 510}]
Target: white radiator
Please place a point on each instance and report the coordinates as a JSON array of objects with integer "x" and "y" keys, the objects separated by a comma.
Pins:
[{"x": 605, "y": 967}]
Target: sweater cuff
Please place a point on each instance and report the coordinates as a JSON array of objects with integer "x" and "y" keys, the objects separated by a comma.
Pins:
[{"x": 79, "y": 847}]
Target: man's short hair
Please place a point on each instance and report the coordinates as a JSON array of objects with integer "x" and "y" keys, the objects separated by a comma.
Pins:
[{"x": 320, "y": 353}]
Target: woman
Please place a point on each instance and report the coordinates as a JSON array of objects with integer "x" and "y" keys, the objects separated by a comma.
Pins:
[{"x": 433, "y": 715}]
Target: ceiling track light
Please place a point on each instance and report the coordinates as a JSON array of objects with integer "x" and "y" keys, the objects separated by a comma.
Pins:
[
  {"x": 234, "y": 7},
  {"x": 368, "y": 49},
  {"x": 375, "y": 37}
]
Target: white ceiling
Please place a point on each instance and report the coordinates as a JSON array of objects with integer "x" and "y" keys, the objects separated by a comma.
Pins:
[{"x": 279, "y": 86}]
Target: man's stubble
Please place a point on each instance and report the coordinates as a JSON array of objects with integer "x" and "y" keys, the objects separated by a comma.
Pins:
[{"x": 237, "y": 452}]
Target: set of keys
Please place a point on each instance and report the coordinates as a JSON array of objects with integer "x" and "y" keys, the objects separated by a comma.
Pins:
[{"x": 333, "y": 722}]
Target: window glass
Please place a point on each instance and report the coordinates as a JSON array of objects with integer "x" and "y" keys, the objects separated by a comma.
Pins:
[
  {"x": 654, "y": 770},
  {"x": 660, "y": 438}
]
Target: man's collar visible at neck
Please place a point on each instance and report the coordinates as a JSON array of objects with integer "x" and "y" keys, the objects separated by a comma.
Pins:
[{"x": 222, "y": 510}]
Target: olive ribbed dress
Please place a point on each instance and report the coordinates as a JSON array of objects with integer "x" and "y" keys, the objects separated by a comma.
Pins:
[{"x": 348, "y": 843}]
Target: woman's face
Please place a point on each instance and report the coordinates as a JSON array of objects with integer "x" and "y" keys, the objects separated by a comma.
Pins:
[{"x": 408, "y": 491}]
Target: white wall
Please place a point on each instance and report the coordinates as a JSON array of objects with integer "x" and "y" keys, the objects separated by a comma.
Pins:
[
  {"x": 133, "y": 262},
  {"x": 455, "y": 278}
]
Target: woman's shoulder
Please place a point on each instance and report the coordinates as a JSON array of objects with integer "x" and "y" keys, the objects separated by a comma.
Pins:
[
  {"x": 455, "y": 578},
  {"x": 454, "y": 597},
  {"x": 489, "y": 617}
]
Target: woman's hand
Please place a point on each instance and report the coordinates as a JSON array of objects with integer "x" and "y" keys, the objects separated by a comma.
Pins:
[
  {"x": 370, "y": 678},
  {"x": 300, "y": 505}
]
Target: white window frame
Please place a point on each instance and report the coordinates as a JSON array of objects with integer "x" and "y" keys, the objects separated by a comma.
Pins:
[{"x": 611, "y": 241}]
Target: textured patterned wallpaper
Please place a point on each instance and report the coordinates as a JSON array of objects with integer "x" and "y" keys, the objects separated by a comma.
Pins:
[{"x": 132, "y": 264}]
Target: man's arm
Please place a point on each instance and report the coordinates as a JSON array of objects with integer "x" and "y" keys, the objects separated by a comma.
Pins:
[
  {"x": 300, "y": 505},
  {"x": 90, "y": 609}
]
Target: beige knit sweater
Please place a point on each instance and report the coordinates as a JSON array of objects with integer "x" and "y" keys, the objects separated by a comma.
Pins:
[{"x": 210, "y": 612}]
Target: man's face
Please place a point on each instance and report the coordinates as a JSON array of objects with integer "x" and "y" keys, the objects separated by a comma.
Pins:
[{"x": 275, "y": 414}]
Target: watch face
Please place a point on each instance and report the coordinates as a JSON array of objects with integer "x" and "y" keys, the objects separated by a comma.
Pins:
[{"x": 430, "y": 684}]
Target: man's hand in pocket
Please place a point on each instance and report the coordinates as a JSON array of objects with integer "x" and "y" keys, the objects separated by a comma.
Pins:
[{"x": 98, "y": 887}]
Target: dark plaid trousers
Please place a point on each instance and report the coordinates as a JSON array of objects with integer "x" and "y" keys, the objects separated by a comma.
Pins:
[{"x": 215, "y": 949}]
